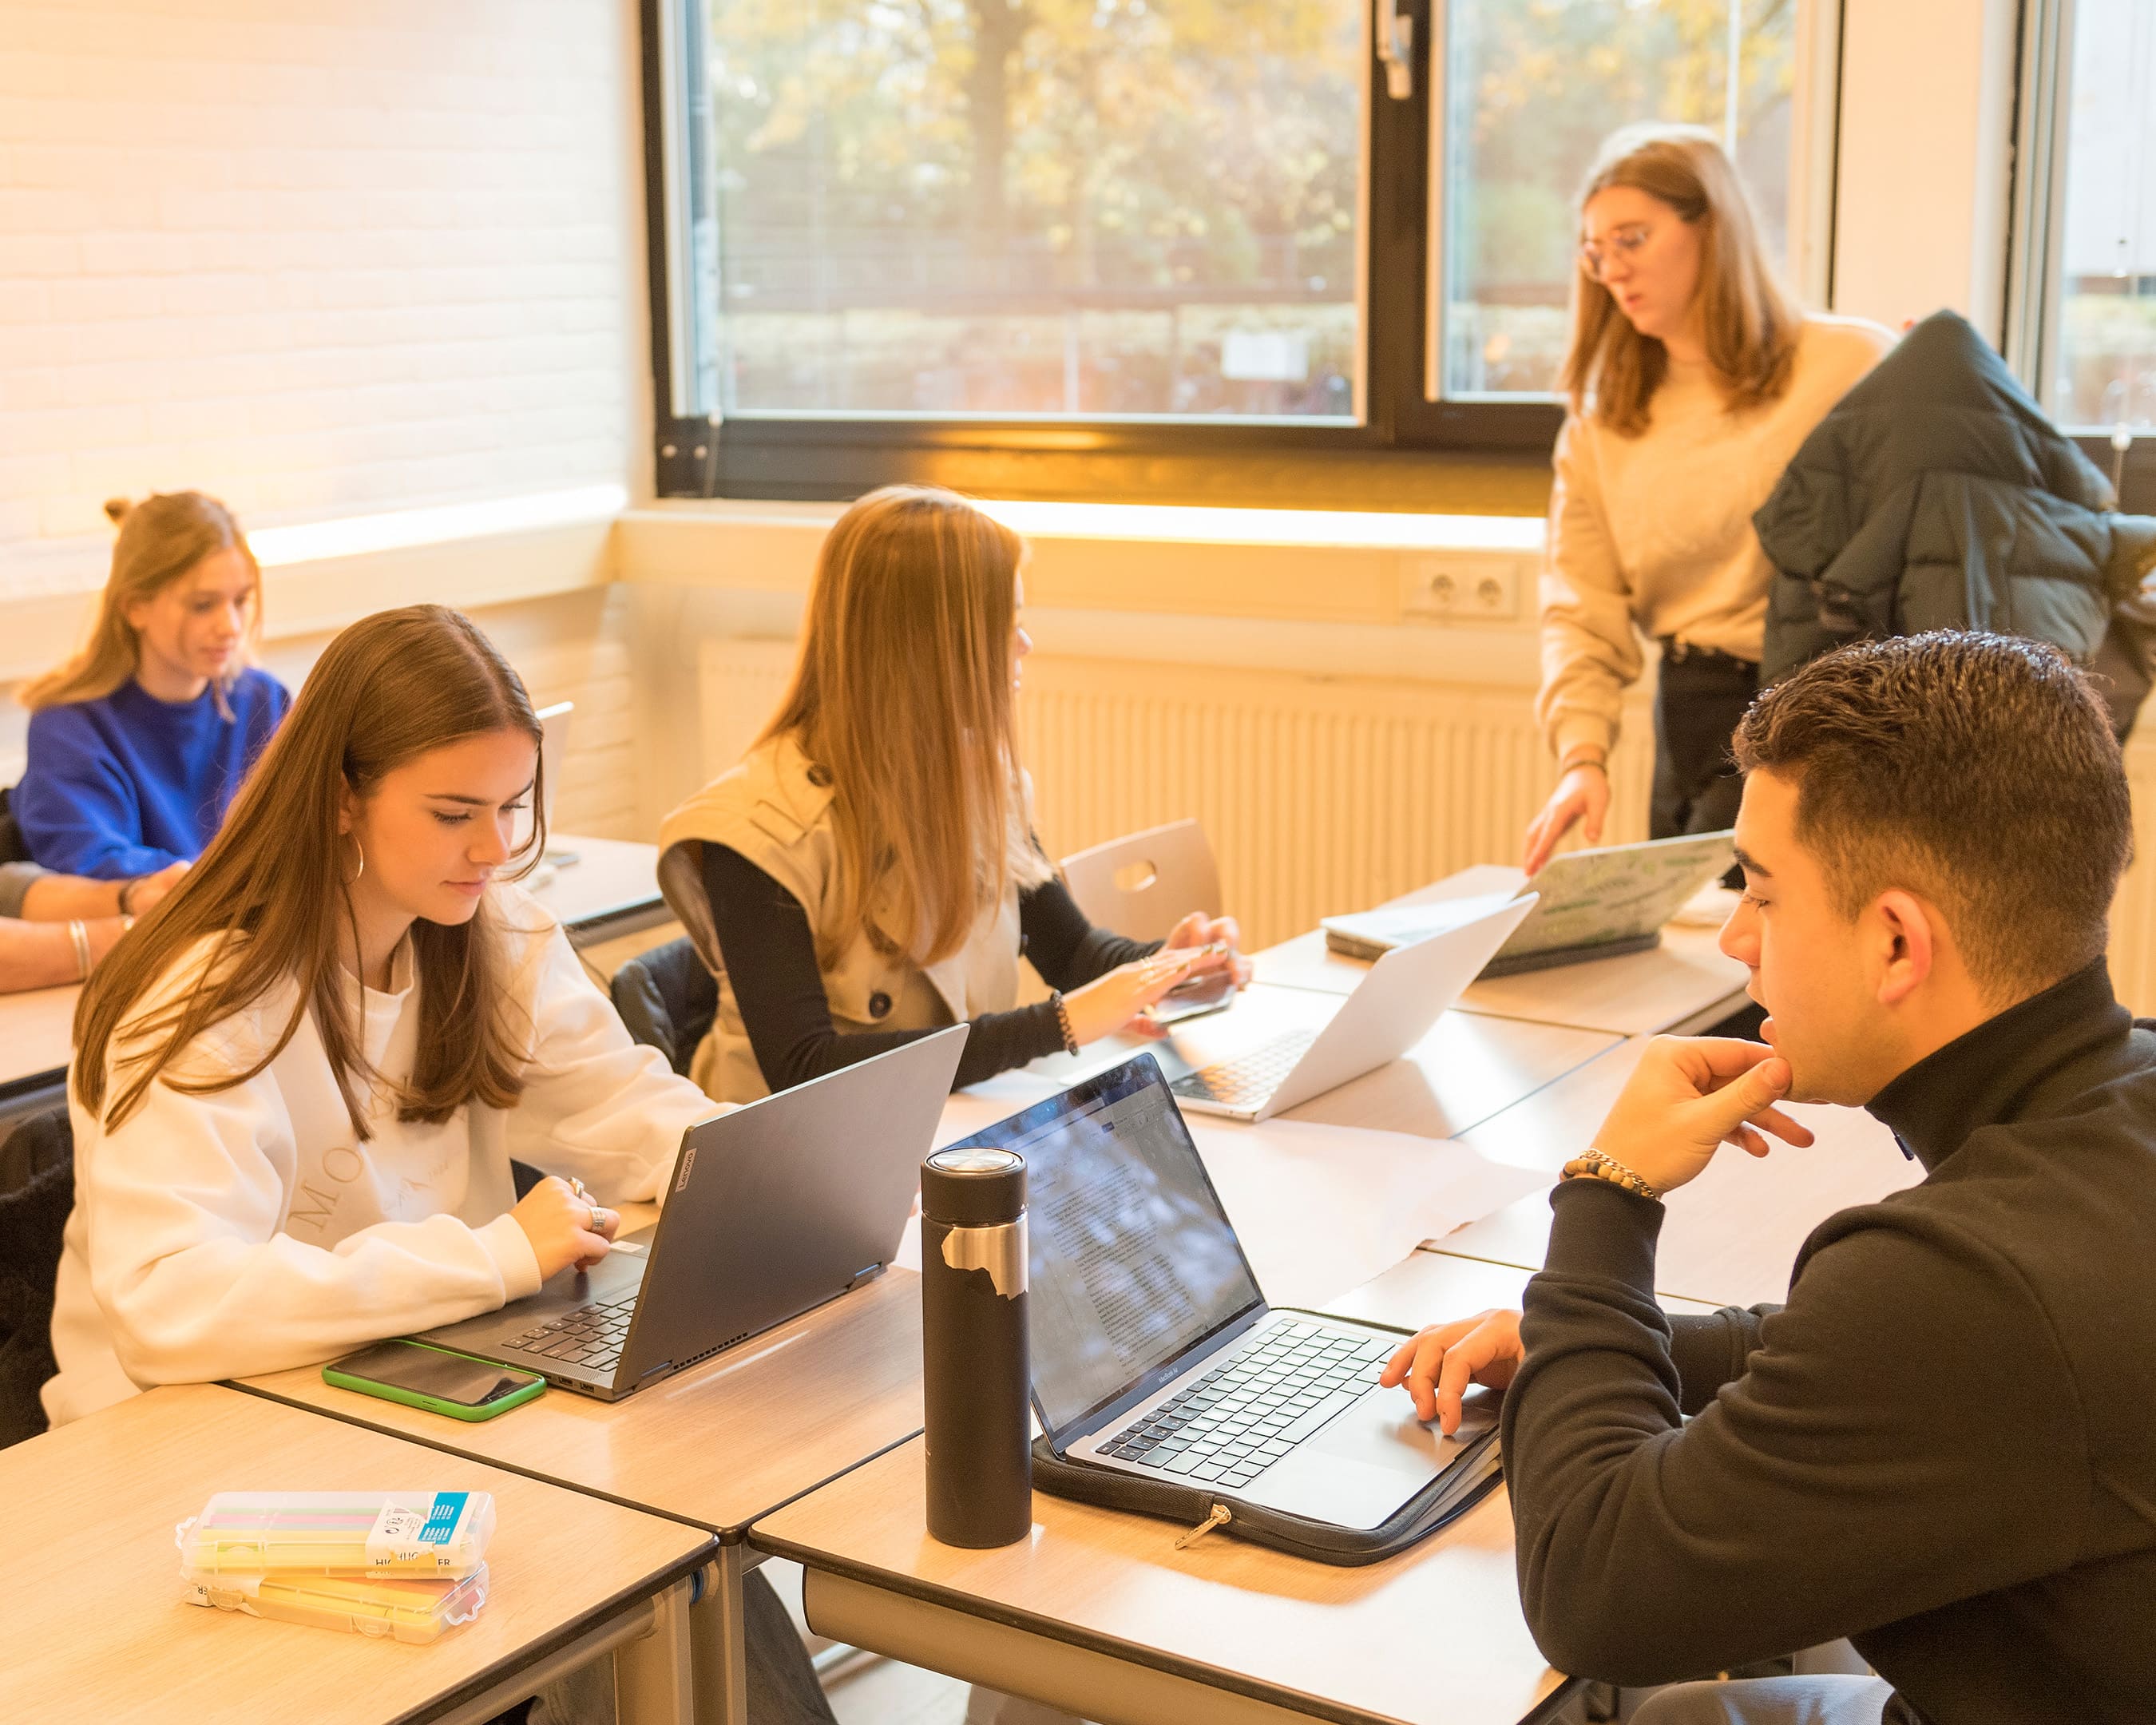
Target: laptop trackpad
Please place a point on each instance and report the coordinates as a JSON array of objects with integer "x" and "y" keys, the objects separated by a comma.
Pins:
[{"x": 1359, "y": 1469}]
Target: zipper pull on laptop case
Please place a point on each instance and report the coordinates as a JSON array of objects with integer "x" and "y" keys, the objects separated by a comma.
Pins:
[{"x": 1220, "y": 1517}]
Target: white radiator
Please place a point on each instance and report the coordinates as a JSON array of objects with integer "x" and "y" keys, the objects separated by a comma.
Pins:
[{"x": 1320, "y": 794}]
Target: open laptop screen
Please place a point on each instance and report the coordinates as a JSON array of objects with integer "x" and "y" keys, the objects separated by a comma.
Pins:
[{"x": 1133, "y": 1259}]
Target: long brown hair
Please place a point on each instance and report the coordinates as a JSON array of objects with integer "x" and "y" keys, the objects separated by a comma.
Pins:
[
  {"x": 1751, "y": 324},
  {"x": 162, "y": 539},
  {"x": 902, "y": 692},
  {"x": 273, "y": 890}
]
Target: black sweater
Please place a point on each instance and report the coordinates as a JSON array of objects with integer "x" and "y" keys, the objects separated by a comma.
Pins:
[
  {"x": 770, "y": 954},
  {"x": 1944, "y": 1446}
]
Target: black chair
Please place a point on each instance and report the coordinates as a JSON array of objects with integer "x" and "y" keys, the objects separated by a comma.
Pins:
[
  {"x": 668, "y": 999},
  {"x": 33, "y": 1217},
  {"x": 12, "y": 847}
]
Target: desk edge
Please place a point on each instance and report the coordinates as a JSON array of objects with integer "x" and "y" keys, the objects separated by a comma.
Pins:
[{"x": 725, "y": 1533}]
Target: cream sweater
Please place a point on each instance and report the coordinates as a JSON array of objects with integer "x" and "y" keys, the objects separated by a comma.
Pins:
[
  {"x": 246, "y": 1231},
  {"x": 1653, "y": 534}
]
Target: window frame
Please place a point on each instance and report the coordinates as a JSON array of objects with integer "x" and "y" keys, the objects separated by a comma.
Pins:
[
  {"x": 1407, "y": 450},
  {"x": 2036, "y": 222}
]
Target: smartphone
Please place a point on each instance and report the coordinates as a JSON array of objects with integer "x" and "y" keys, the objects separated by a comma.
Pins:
[
  {"x": 1213, "y": 992},
  {"x": 421, "y": 1376}
]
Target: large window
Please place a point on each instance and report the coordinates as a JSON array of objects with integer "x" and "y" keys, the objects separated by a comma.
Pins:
[
  {"x": 2098, "y": 370},
  {"x": 892, "y": 226},
  {"x": 1531, "y": 88},
  {"x": 1094, "y": 209}
]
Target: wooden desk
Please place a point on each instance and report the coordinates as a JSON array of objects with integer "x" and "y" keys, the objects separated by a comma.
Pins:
[
  {"x": 1435, "y": 1288},
  {"x": 37, "y": 1035},
  {"x": 1732, "y": 1236},
  {"x": 96, "y": 1629},
  {"x": 718, "y": 1446},
  {"x": 1097, "y": 1613},
  {"x": 1681, "y": 986}
]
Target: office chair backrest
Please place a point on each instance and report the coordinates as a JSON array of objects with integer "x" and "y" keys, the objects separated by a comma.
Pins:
[
  {"x": 33, "y": 1218},
  {"x": 668, "y": 1000},
  {"x": 1142, "y": 884}
]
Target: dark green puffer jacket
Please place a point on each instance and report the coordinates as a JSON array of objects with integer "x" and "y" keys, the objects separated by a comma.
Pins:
[{"x": 1937, "y": 496}]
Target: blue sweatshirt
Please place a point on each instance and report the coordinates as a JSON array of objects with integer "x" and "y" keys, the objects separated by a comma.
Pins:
[{"x": 126, "y": 784}]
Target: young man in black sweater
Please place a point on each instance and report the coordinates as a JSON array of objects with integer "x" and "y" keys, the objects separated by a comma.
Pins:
[{"x": 1944, "y": 1446}]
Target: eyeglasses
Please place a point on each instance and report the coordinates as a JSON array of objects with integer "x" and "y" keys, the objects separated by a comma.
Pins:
[{"x": 1595, "y": 256}]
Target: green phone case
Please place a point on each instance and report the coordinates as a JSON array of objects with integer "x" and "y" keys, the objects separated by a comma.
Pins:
[{"x": 435, "y": 1404}]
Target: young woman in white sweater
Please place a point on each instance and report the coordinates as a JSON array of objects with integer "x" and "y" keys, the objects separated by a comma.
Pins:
[
  {"x": 300, "y": 1081},
  {"x": 1692, "y": 379}
]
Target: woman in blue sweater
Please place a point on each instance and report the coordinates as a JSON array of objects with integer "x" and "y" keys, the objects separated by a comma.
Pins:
[{"x": 138, "y": 743}]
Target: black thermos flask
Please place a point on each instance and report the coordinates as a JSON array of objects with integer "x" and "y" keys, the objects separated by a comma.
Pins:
[{"x": 973, "y": 1351}]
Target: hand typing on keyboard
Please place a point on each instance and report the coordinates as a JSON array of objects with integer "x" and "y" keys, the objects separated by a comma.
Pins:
[{"x": 1439, "y": 1363}]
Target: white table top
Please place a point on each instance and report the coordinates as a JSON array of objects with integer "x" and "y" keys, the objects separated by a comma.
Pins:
[
  {"x": 1683, "y": 985},
  {"x": 1730, "y": 1237}
]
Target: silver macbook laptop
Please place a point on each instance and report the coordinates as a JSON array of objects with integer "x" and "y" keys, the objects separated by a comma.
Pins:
[
  {"x": 776, "y": 1207},
  {"x": 1153, "y": 1351},
  {"x": 1278, "y": 1047},
  {"x": 1595, "y": 904}
]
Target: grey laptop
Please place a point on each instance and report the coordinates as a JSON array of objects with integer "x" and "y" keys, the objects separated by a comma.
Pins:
[
  {"x": 776, "y": 1207},
  {"x": 1154, "y": 1352}
]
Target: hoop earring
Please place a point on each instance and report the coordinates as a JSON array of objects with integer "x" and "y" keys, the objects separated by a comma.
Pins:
[{"x": 361, "y": 853}]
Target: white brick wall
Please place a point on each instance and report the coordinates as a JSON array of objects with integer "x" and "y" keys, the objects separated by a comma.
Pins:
[{"x": 321, "y": 259}]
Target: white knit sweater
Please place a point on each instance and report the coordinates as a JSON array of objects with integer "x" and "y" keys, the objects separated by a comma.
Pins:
[{"x": 248, "y": 1230}]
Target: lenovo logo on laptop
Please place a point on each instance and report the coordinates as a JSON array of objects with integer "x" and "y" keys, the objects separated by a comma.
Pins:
[{"x": 688, "y": 1161}]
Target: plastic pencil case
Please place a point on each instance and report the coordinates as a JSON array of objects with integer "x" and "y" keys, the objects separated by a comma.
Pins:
[
  {"x": 434, "y": 1534},
  {"x": 393, "y": 1607}
]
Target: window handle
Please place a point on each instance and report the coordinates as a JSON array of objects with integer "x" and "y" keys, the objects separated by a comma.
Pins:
[{"x": 1395, "y": 33}]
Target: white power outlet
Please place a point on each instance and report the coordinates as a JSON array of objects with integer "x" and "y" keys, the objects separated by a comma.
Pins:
[{"x": 1461, "y": 587}]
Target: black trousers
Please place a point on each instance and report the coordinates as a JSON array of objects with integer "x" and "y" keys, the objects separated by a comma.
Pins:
[{"x": 1699, "y": 699}]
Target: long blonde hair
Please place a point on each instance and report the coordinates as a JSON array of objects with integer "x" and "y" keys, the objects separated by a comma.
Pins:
[
  {"x": 273, "y": 890},
  {"x": 902, "y": 693},
  {"x": 162, "y": 540},
  {"x": 1750, "y": 321}
]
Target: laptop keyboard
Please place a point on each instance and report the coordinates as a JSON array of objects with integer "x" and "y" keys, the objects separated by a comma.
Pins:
[
  {"x": 1247, "y": 1081},
  {"x": 592, "y": 1336},
  {"x": 1237, "y": 1420}
]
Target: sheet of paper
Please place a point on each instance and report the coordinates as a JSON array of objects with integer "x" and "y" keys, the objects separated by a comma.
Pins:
[{"x": 1321, "y": 1209}]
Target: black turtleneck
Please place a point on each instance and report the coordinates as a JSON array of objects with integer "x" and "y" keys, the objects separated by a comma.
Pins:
[{"x": 1944, "y": 1446}]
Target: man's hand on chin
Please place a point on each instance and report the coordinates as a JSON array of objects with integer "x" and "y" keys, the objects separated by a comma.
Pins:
[{"x": 1688, "y": 1096}]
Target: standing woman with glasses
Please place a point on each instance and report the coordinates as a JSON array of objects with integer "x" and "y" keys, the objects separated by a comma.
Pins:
[{"x": 1692, "y": 378}]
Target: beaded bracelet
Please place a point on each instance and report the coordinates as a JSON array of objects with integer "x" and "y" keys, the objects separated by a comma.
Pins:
[
  {"x": 1063, "y": 1021},
  {"x": 1595, "y": 1165}
]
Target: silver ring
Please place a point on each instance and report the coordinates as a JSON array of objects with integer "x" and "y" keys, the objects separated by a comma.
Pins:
[{"x": 576, "y": 1187}]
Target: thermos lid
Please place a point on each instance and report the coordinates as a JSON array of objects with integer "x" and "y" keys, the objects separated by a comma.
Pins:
[{"x": 973, "y": 1187}]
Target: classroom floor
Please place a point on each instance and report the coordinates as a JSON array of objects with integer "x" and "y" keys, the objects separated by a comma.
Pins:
[{"x": 881, "y": 1691}]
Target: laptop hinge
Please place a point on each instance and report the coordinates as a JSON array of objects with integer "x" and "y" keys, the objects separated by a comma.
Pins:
[
  {"x": 866, "y": 1273},
  {"x": 664, "y": 1369}
]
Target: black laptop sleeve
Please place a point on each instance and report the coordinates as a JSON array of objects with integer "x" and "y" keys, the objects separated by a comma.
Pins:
[{"x": 1473, "y": 1474}]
